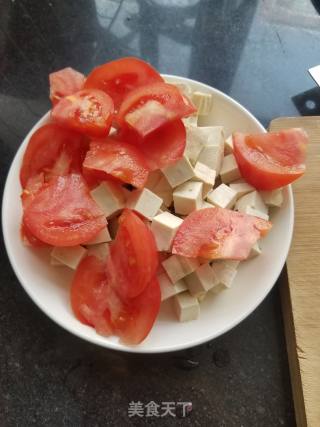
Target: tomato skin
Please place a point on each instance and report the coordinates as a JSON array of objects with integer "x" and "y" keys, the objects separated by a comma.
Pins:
[
  {"x": 117, "y": 78},
  {"x": 62, "y": 212},
  {"x": 29, "y": 239},
  {"x": 65, "y": 82},
  {"x": 161, "y": 148},
  {"x": 88, "y": 111},
  {"x": 118, "y": 159},
  {"x": 216, "y": 233},
  {"x": 271, "y": 160},
  {"x": 147, "y": 108}
]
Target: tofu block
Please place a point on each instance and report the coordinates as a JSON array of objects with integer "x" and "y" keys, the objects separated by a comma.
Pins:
[
  {"x": 110, "y": 197},
  {"x": 178, "y": 173},
  {"x": 100, "y": 251},
  {"x": 191, "y": 120},
  {"x": 212, "y": 156},
  {"x": 255, "y": 251},
  {"x": 229, "y": 171},
  {"x": 153, "y": 179},
  {"x": 55, "y": 262},
  {"x": 202, "y": 296},
  {"x": 225, "y": 273},
  {"x": 186, "y": 307},
  {"x": 241, "y": 187},
  {"x": 164, "y": 227},
  {"x": 228, "y": 145},
  {"x": 203, "y": 101},
  {"x": 69, "y": 256},
  {"x": 251, "y": 211},
  {"x": 273, "y": 198},
  {"x": 159, "y": 185},
  {"x": 200, "y": 137},
  {"x": 145, "y": 202},
  {"x": 206, "y": 204},
  {"x": 169, "y": 289},
  {"x": 187, "y": 197},
  {"x": 102, "y": 237},
  {"x": 222, "y": 196},
  {"x": 177, "y": 267},
  {"x": 252, "y": 200},
  {"x": 201, "y": 280},
  {"x": 207, "y": 176}
]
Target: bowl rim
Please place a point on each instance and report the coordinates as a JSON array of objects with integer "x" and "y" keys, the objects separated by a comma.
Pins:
[{"x": 115, "y": 345}]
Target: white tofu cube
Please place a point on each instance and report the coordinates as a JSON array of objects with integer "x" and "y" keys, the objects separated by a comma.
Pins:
[
  {"x": 241, "y": 187},
  {"x": 191, "y": 120},
  {"x": 203, "y": 101},
  {"x": 255, "y": 251},
  {"x": 110, "y": 197},
  {"x": 251, "y": 211},
  {"x": 222, "y": 196},
  {"x": 201, "y": 280},
  {"x": 205, "y": 175},
  {"x": 55, "y": 262},
  {"x": 164, "y": 191},
  {"x": 145, "y": 202},
  {"x": 187, "y": 197},
  {"x": 178, "y": 267},
  {"x": 102, "y": 237},
  {"x": 100, "y": 251},
  {"x": 212, "y": 156},
  {"x": 252, "y": 200},
  {"x": 153, "y": 179},
  {"x": 206, "y": 204},
  {"x": 169, "y": 289},
  {"x": 69, "y": 256},
  {"x": 164, "y": 227},
  {"x": 202, "y": 296},
  {"x": 178, "y": 173},
  {"x": 186, "y": 307},
  {"x": 225, "y": 273},
  {"x": 229, "y": 171},
  {"x": 228, "y": 145},
  {"x": 273, "y": 198},
  {"x": 196, "y": 139}
]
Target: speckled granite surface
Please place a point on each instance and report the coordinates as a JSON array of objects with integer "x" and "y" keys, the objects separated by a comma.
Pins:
[{"x": 256, "y": 51}]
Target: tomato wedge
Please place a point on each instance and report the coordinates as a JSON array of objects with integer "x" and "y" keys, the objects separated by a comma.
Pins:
[
  {"x": 147, "y": 108},
  {"x": 133, "y": 256},
  {"x": 216, "y": 233},
  {"x": 271, "y": 160},
  {"x": 29, "y": 239},
  {"x": 88, "y": 111},
  {"x": 118, "y": 159},
  {"x": 62, "y": 212},
  {"x": 161, "y": 148},
  {"x": 117, "y": 78},
  {"x": 52, "y": 150},
  {"x": 65, "y": 82}
]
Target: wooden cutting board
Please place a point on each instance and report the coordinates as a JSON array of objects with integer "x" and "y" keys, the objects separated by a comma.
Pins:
[{"x": 300, "y": 294}]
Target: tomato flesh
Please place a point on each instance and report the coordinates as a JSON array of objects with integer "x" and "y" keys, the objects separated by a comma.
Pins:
[
  {"x": 88, "y": 111},
  {"x": 271, "y": 160},
  {"x": 62, "y": 212},
  {"x": 216, "y": 233},
  {"x": 117, "y": 78},
  {"x": 65, "y": 82},
  {"x": 147, "y": 108}
]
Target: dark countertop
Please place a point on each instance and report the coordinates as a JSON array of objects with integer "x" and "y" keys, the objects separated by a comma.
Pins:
[{"x": 256, "y": 51}]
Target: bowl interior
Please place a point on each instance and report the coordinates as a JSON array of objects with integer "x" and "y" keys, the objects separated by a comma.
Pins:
[{"x": 49, "y": 286}]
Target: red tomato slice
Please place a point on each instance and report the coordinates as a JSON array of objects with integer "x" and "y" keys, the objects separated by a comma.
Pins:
[
  {"x": 216, "y": 233},
  {"x": 147, "y": 108},
  {"x": 117, "y": 78},
  {"x": 271, "y": 160},
  {"x": 29, "y": 239},
  {"x": 133, "y": 256},
  {"x": 161, "y": 148},
  {"x": 118, "y": 159},
  {"x": 62, "y": 213},
  {"x": 88, "y": 111},
  {"x": 65, "y": 82},
  {"x": 48, "y": 147}
]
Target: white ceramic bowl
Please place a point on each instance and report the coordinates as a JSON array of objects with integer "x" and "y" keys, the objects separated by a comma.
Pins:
[{"x": 49, "y": 286}]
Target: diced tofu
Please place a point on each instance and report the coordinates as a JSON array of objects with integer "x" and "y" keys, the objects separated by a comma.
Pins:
[
  {"x": 69, "y": 256},
  {"x": 145, "y": 202},
  {"x": 163, "y": 190},
  {"x": 232, "y": 263},
  {"x": 178, "y": 173},
  {"x": 164, "y": 227},
  {"x": 255, "y": 251},
  {"x": 203, "y": 102},
  {"x": 201, "y": 280},
  {"x": 186, "y": 307},
  {"x": 169, "y": 289},
  {"x": 205, "y": 175},
  {"x": 251, "y": 211},
  {"x": 206, "y": 205},
  {"x": 187, "y": 197},
  {"x": 55, "y": 262},
  {"x": 191, "y": 120},
  {"x": 110, "y": 197},
  {"x": 222, "y": 196},
  {"x": 102, "y": 237},
  {"x": 196, "y": 139},
  {"x": 228, "y": 145},
  {"x": 177, "y": 267},
  {"x": 225, "y": 273},
  {"x": 218, "y": 288},
  {"x": 153, "y": 179},
  {"x": 229, "y": 171},
  {"x": 202, "y": 296},
  {"x": 241, "y": 187},
  {"x": 100, "y": 251},
  {"x": 272, "y": 198},
  {"x": 252, "y": 200}
]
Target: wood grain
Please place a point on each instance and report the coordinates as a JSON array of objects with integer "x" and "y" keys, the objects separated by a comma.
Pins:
[{"x": 301, "y": 293}]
